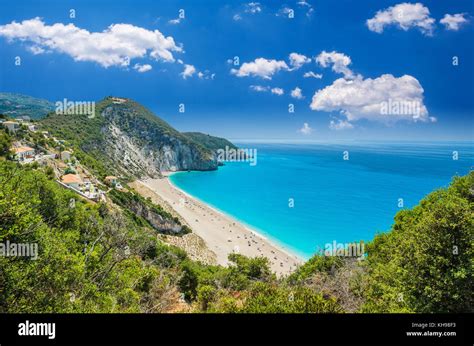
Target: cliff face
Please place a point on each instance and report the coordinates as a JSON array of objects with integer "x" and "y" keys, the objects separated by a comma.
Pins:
[
  {"x": 152, "y": 214},
  {"x": 142, "y": 143},
  {"x": 132, "y": 140},
  {"x": 154, "y": 155}
]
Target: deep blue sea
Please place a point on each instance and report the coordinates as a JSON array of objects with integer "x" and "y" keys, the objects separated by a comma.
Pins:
[{"x": 334, "y": 199}]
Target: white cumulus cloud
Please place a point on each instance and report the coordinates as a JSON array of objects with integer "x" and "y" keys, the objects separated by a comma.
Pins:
[
  {"x": 404, "y": 16},
  {"x": 386, "y": 98},
  {"x": 339, "y": 62},
  {"x": 206, "y": 74},
  {"x": 308, "y": 6},
  {"x": 285, "y": 12},
  {"x": 277, "y": 91},
  {"x": 340, "y": 125},
  {"x": 304, "y": 3},
  {"x": 36, "y": 50},
  {"x": 142, "y": 68},
  {"x": 115, "y": 46},
  {"x": 188, "y": 71},
  {"x": 253, "y": 7},
  {"x": 311, "y": 74},
  {"x": 306, "y": 129},
  {"x": 259, "y": 88},
  {"x": 174, "y": 21},
  {"x": 297, "y": 93},
  {"x": 250, "y": 8},
  {"x": 454, "y": 22},
  {"x": 260, "y": 67},
  {"x": 298, "y": 60}
]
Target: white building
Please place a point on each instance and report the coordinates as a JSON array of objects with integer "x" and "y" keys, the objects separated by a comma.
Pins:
[
  {"x": 24, "y": 153},
  {"x": 12, "y": 126}
]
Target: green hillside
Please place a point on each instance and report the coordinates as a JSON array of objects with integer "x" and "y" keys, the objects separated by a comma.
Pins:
[
  {"x": 16, "y": 105},
  {"x": 128, "y": 129},
  {"x": 210, "y": 142},
  {"x": 97, "y": 258}
]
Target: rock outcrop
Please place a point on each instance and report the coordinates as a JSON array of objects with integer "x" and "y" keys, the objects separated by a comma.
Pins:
[
  {"x": 144, "y": 144},
  {"x": 132, "y": 142}
]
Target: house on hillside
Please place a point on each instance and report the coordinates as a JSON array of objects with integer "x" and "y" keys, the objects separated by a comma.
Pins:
[
  {"x": 72, "y": 180},
  {"x": 12, "y": 126},
  {"x": 92, "y": 192},
  {"x": 111, "y": 180},
  {"x": 24, "y": 153},
  {"x": 83, "y": 187}
]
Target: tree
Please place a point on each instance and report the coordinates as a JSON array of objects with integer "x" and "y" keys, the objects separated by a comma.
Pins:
[
  {"x": 5, "y": 143},
  {"x": 425, "y": 263},
  {"x": 271, "y": 298},
  {"x": 90, "y": 258}
]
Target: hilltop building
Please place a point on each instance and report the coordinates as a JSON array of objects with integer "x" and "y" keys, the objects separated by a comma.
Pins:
[{"x": 118, "y": 100}]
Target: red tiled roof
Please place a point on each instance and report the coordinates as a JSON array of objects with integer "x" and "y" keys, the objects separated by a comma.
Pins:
[
  {"x": 71, "y": 179},
  {"x": 20, "y": 150}
]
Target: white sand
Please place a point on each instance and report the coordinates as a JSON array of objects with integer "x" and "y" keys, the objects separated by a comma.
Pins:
[{"x": 222, "y": 234}]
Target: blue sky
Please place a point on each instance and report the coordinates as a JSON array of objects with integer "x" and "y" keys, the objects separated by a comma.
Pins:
[{"x": 345, "y": 42}]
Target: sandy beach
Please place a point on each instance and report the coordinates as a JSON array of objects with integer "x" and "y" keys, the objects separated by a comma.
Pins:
[{"x": 222, "y": 234}]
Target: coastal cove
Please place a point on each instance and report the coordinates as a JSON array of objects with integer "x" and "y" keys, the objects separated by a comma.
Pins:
[
  {"x": 222, "y": 234},
  {"x": 304, "y": 196}
]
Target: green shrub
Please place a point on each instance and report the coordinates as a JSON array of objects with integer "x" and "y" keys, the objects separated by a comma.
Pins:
[{"x": 425, "y": 264}]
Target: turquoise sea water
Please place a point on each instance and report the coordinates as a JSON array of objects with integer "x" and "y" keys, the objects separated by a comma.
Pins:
[{"x": 334, "y": 199}]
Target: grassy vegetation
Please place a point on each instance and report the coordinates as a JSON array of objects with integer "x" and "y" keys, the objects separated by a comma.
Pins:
[
  {"x": 92, "y": 258},
  {"x": 210, "y": 142},
  {"x": 84, "y": 136}
]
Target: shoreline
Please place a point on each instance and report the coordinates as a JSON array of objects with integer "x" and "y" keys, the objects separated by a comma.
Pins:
[
  {"x": 222, "y": 233},
  {"x": 255, "y": 231}
]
